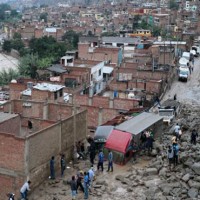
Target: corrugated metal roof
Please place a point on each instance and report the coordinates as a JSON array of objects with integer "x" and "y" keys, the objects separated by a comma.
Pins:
[
  {"x": 48, "y": 87},
  {"x": 57, "y": 68},
  {"x": 27, "y": 92},
  {"x": 120, "y": 40},
  {"x": 139, "y": 123},
  {"x": 107, "y": 70},
  {"x": 51, "y": 30},
  {"x": 102, "y": 133}
]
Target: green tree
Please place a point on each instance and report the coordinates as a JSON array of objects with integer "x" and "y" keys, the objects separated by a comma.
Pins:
[
  {"x": 17, "y": 35},
  {"x": 28, "y": 65},
  {"x": 47, "y": 47},
  {"x": 43, "y": 63},
  {"x": 17, "y": 44},
  {"x": 7, "y": 46},
  {"x": 3, "y": 7},
  {"x": 7, "y": 75},
  {"x": 44, "y": 16},
  {"x": 136, "y": 20},
  {"x": 72, "y": 38},
  {"x": 156, "y": 31}
]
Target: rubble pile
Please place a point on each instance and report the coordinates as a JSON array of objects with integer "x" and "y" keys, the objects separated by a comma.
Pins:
[{"x": 158, "y": 181}]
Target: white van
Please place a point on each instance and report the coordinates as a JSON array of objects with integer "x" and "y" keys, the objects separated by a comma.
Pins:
[
  {"x": 183, "y": 74},
  {"x": 186, "y": 55},
  {"x": 183, "y": 62}
]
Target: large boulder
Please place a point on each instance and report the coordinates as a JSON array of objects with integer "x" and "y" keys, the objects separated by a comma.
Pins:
[
  {"x": 186, "y": 177},
  {"x": 196, "y": 168},
  {"x": 151, "y": 171},
  {"x": 193, "y": 193},
  {"x": 194, "y": 184}
]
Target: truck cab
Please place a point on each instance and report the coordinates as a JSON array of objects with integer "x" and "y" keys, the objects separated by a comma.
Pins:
[{"x": 169, "y": 110}]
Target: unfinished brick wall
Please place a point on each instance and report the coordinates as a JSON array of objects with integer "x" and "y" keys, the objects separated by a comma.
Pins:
[
  {"x": 11, "y": 126},
  {"x": 15, "y": 89},
  {"x": 59, "y": 111},
  {"x": 125, "y": 104},
  {"x": 11, "y": 164},
  {"x": 8, "y": 184},
  {"x": 51, "y": 142},
  {"x": 11, "y": 152},
  {"x": 100, "y": 101},
  {"x": 40, "y": 95},
  {"x": 120, "y": 86},
  {"x": 83, "y": 50},
  {"x": 81, "y": 99},
  {"x": 34, "y": 110},
  {"x": 154, "y": 86},
  {"x": 41, "y": 146}
]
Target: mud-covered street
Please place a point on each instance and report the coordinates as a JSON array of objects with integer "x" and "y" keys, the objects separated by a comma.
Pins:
[{"x": 187, "y": 92}]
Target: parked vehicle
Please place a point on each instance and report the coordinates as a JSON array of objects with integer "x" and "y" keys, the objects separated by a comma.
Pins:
[
  {"x": 183, "y": 73},
  {"x": 169, "y": 110},
  {"x": 193, "y": 53},
  {"x": 197, "y": 49},
  {"x": 183, "y": 62},
  {"x": 186, "y": 55}
]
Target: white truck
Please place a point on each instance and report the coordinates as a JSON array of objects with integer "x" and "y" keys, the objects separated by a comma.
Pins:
[{"x": 169, "y": 110}]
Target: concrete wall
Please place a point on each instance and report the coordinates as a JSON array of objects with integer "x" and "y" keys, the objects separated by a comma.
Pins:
[{"x": 41, "y": 146}]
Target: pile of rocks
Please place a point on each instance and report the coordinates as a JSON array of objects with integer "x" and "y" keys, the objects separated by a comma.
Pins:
[{"x": 157, "y": 181}]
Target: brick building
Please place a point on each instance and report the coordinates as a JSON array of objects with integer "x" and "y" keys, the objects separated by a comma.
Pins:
[{"x": 25, "y": 151}]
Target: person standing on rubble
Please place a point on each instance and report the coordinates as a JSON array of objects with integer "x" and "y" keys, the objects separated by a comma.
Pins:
[
  {"x": 194, "y": 136},
  {"x": 110, "y": 161},
  {"x": 101, "y": 160}
]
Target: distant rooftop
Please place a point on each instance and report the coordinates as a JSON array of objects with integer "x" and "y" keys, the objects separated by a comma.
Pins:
[
  {"x": 51, "y": 30},
  {"x": 57, "y": 68},
  {"x": 6, "y": 116},
  {"x": 48, "y": 87},
  {"x": 120, "y": 40},
  {"x": 67, "y": 57}
]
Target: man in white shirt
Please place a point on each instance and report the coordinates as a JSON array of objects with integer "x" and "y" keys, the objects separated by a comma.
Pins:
[
  {"x": 176, "y": 129},
  {"x": 24, "y": 189},
  {"x": 91, "y": 175}
]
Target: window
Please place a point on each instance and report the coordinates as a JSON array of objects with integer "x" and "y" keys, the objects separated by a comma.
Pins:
[
  {"x": 100, "y": 72},
  {"x": 55, "y": 95}
]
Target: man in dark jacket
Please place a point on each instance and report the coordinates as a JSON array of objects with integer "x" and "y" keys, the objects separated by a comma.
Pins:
[
  {"x": 52, "y": 168},
  {"x": 73, "y": 187},
  {"x": 62, "y": 164},
  {"x": 194, "y": 136}
]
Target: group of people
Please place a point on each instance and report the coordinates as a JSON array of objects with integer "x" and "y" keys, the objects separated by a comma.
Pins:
[
  {"x": 147, "y": 139},
  {"x": 82, "y": 180},
  {"x": 173, "y": 150}
]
